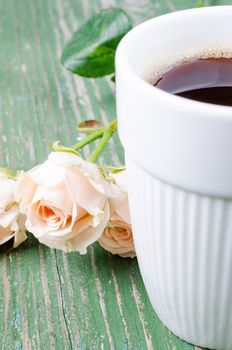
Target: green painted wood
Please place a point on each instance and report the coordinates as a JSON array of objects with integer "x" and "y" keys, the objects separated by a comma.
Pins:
[{"x": 51, "y": 300}]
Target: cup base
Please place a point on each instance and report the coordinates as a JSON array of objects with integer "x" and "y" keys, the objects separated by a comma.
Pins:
[{"x": 183, "y": 242}]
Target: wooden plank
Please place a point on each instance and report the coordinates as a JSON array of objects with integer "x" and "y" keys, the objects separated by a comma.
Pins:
[{"x": 51, "y": 300}]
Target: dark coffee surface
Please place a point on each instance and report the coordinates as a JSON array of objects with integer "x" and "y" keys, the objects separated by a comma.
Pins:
[{"x": 206, "y": 80}]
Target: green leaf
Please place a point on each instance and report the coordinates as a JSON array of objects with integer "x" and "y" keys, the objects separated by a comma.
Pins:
[
  {"x": 115, "y": 169},
  {"x": 58, "y": 147},
  {"x": 106, "y": 174},
  {"x": 9, "y": 173},
  {"x": 91, "y": 51}
]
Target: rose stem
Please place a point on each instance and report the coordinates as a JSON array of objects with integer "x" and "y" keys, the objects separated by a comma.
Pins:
[
  {"x": 90, "y": 138},
  {"x": 108, "y": 133}
]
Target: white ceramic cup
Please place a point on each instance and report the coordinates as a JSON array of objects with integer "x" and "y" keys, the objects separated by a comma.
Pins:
[{"x": 179, "y": 162}]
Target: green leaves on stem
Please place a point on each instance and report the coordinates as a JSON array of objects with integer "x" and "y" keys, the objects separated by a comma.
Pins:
[
  {"x": 103, "y": 133},
  {"x": 108, "y": 133},
  {"x": 91, "y": 51}
]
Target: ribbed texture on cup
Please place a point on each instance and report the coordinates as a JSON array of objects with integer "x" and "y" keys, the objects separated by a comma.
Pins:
[{"x": 184, "y": 247}]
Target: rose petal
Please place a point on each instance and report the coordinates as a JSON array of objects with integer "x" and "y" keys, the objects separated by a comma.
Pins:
[
  {"x": 123, "y": 211},
  {"x": 47, "y": 174},
  {"x": 5, "y": 235},
  {"x": 89, "y": 170},
  {"x": 56, "y": 195},
  {"x": 64, "y": 207},
  {"x": 82, "y": 192},
  {"x": 6, "y": 192},
  {"x": 7, "y": 218},
  {"x": 90, "y": 235},
  {"x": 20, "y": 234},
  {"x": 61, "y": 238},
  {"x": 117, "y": 237},
  {"x": 24, "y": 190}
]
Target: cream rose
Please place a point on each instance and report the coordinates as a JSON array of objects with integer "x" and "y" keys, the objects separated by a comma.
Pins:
[
  {"x": 117, "y": 236},
  {"x": 64, "y": 201},
  {"x": 11, "y": 221}
]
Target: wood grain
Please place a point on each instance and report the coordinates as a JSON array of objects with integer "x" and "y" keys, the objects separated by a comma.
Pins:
[{"x": 48, "y": 299}]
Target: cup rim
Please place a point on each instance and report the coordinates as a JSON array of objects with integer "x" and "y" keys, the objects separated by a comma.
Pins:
[{"x": 211, "y": 110}]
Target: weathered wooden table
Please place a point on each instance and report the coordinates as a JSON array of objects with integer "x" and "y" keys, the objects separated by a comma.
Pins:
[{"x": 51, "y": 300}]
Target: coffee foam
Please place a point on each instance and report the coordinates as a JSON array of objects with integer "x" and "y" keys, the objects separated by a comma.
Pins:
[{"x": 156, "y": 70}]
